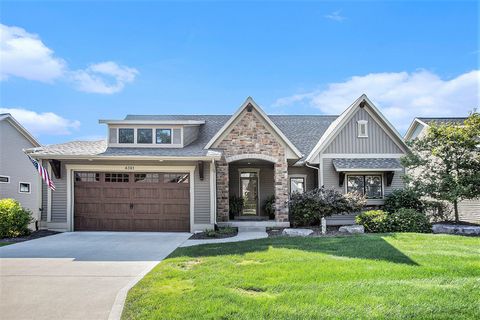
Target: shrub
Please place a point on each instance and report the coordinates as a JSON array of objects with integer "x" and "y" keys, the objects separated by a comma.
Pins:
[
  {"x": 310, "y": 207},
  {"x": 373, "y": 221},
  {"x": 235, "y": 206},
  {"x": 408, "y": 220},
  {"x": 403, "y": 220},
  {"x": 269, "y": 207},
  {"x": 403, "y": 198},
  {"x": 14, "y": 219}
]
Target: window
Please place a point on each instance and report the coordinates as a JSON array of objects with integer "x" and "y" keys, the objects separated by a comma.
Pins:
[
  {"x": 248, "y": 174},
  {"x": 175, "y": 177},
  {"x": 126, "y": 135},
  {"x": 87, "y": 176},
  {"x": 4, "y": 179},
  {"x": 297, "y": 184},
  {"x": 147, "y": 177},
  {"x": 116, "y": 177},
  {"x": 368, "y": 185},
  {"x": 24, "y": 187},
  {"x": 144, "y": 135},
  {"x": 362, "y": 129},
  {"x": 164, "y": 136}
]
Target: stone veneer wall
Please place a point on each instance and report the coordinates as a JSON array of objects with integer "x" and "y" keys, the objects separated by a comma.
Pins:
[{"x": 250, "y": 136}]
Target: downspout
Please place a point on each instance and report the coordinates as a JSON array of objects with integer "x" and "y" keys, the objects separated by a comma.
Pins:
[{"x": 318, "y": 172}]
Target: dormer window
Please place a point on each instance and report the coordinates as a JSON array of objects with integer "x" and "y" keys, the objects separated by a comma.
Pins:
[
  {"x": 126, "y": 135},
  {"x": 164, "y": 136},
  {"x": 144, "y": 135},
  {"x": 362, "y": 129}
]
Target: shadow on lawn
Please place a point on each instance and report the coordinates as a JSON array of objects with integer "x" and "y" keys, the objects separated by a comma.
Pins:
[{"x": 362, "y": 247}]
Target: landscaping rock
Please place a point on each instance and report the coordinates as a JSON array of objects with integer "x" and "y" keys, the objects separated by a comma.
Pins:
[
  {"x": 297, "y": 232},
  {"x": 456, "y": 229},
  {"x": 352, "y": 229}
]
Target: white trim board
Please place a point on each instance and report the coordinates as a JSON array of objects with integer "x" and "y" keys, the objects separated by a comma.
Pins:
[{"x": 70, "y": 168}]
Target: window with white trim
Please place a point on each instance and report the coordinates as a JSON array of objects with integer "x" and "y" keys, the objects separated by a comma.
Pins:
[
  {"x": 297, "y": 184},
  {"x": 4, "y": 179},
  {"x": 362, "y": 128},
  {"x": 369, "y": 185},
  {"x": 126, "y": 135},
  {"x": 24, "y": 187}
]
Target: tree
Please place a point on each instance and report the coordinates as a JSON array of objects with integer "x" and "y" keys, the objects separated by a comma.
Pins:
[{"x": 445, "y": 163}]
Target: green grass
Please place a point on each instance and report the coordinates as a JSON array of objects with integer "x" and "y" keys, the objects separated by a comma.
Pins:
[
  {"x": 396, "y": 276},
  {"x": 5, "y": 243}
]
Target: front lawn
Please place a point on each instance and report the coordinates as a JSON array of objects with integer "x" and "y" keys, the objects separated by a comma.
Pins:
[
  {"x": 5, "y": 243},
  {"x": 358, "y": 277}
]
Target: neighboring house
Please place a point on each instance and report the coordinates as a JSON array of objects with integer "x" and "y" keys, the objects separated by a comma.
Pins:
[
  {"x": 177, "y": 172},
  {"x": 18, "y": 178},
  {"x": 469, "y": 210}
]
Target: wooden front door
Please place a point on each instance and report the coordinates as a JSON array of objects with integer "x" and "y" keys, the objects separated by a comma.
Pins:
[{"x": 135, "y": 201}]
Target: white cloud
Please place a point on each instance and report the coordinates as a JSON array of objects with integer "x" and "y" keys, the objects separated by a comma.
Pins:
[
  {"x": 24, "y": 55},
  {"x": 106, "y": 77},
  {"x": 401, "y": 96},
  {"x": 336, "y": 16},
  {"x": 42, "y": 123}
]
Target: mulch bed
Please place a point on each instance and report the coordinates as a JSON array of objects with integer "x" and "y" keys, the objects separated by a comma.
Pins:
[
  {"x": 31, "y": 236},
  {"x": 216, "y": 235}
]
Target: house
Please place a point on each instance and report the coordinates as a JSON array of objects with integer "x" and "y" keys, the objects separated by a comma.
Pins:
[
  {"x": 178, "y": 172},
  {"x": 18, "y": 178},
  {"x": 468, "y": 210}
]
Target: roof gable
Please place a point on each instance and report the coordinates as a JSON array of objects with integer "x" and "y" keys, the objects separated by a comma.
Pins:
[
  {"x": 10, "y": 119},
  {"x": 336, "y": 126},
  {"x": 250, "y": 103}
]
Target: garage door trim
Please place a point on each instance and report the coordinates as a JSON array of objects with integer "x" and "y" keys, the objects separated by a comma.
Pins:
[{"x": 71, "y": 168}]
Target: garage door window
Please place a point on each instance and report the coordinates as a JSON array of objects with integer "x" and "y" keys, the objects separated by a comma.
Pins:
[
  {"x": 87, "y": 177},
  {"x": 175, "y": 178},
  {"x": 116, "y": 177},
  {"x": 147, "y": 177}
]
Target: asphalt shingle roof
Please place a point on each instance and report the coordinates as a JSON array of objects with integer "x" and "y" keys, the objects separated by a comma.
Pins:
[
  {"x": 374, "y": 164},
  {"x": 457, "y": 120},
  {"x": 303, "y": 131}
]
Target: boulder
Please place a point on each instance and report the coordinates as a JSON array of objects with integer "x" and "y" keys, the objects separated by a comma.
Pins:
[
  {"x": 352, "y": 229},
  {"x": 291, "y": 232}
]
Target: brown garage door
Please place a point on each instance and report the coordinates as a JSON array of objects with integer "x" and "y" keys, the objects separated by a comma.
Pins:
[{"x": 119, "y": 201}]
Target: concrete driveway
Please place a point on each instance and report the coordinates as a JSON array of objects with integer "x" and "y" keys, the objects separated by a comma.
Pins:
[{"x": 78, "y": 275}]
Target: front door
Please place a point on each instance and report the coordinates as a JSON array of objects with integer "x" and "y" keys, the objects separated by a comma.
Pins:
[{"x": 249, "y": 193}]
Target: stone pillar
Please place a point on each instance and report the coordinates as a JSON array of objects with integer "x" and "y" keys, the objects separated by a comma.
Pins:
[
  {"x": 281, "y": 191},
  {"x": 222, "y": 190}
]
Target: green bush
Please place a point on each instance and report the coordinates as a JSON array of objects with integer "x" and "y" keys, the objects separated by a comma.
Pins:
[
  {"x": 310, "y": 207},
  {"x": 408, "y": 220},
  {"x": 403, "y": 220},
  {"x": 14, "y": 219},
  {"x": 373, "y": 221},
  {"x": 269, "y": 207},
  {"x": 235, "y": 206},
  {"x": 403, "y": 198}
]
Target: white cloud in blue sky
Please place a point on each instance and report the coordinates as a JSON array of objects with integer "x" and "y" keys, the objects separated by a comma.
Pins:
[
  {"x": 336, "y": 16},
  {"x": 47, "y": 123},
  {"x": 24, "y": 55},
  {"x": 401, "y": 96}
]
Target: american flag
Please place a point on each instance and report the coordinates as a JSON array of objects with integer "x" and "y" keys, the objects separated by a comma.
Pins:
[{"x": 43, "y": 173}]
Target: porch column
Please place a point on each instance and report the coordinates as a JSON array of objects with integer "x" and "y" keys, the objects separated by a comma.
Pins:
[
  {"x": 281, "y": 191},
  {"x": 222, "y": 190}
]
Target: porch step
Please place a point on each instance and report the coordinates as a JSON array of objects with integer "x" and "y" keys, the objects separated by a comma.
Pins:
[
  {"x": 252, "y": 229},
  {"x": 253, "y": 224}
]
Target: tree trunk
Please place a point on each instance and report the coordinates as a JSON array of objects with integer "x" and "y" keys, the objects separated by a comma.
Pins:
[{"x": 455, "y": 207}]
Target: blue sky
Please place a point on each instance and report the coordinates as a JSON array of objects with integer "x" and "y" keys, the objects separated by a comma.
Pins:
[{"x": 64, "y": 65}]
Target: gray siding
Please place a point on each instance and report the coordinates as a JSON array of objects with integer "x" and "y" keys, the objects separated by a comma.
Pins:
[
  {"x": 202, "y": 196},
  {"x": 112, "y": 135},
  {"x": 59, "y": 197},
  {"x": 15, "y": 164},
  {"x": 190, "y": 134},
  {"x": 347, "y": 140},
  {"x": 311, "y": 175},
  {"x": 469, "y": 210},
  {"x": 44, "y": 196},
  {"x": 177, "y": 136}
]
